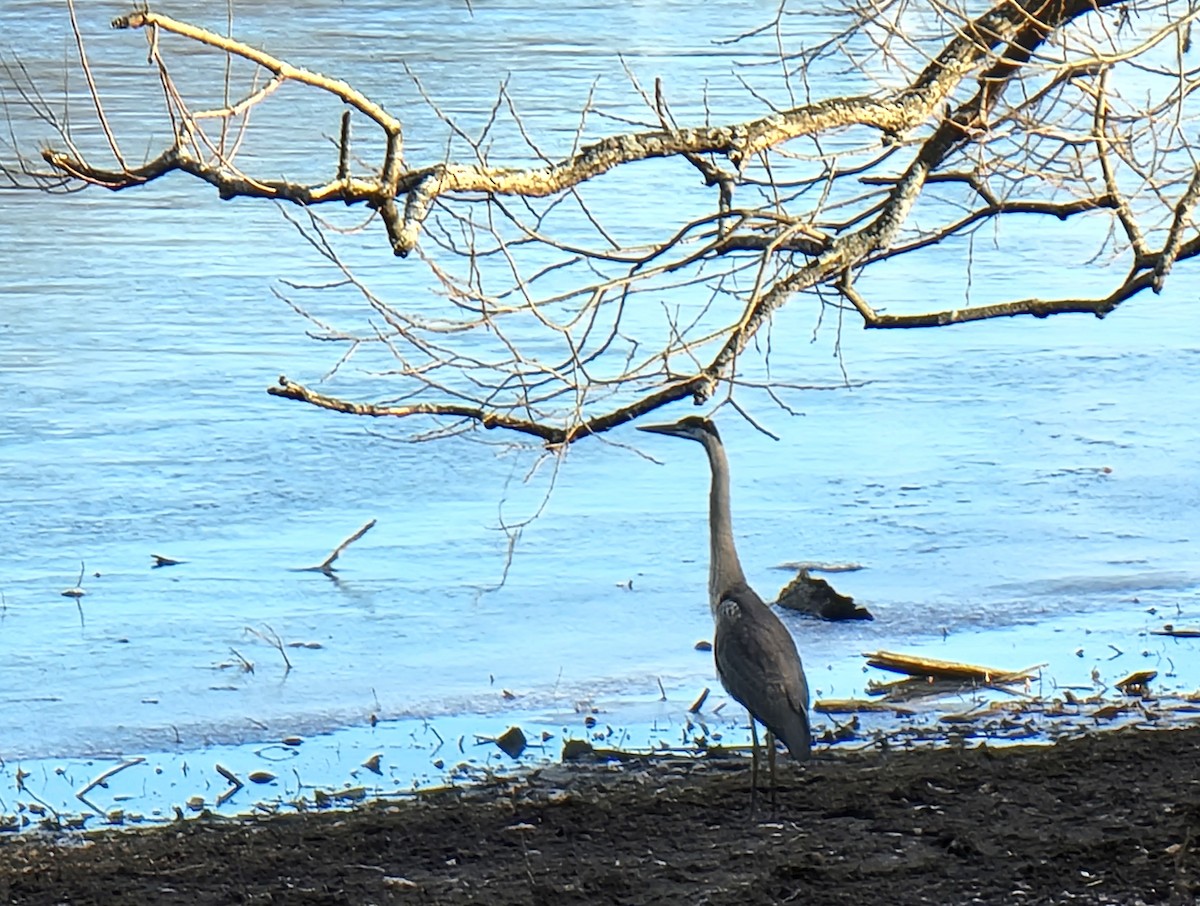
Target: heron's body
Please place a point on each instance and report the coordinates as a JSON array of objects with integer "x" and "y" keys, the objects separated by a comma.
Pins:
[
  {"x": 756, "y": 657},
  {"x": 759, "y": 666}
]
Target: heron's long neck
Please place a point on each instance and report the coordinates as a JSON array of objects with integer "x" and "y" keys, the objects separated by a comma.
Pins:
[{"x": 724, "y": 569}]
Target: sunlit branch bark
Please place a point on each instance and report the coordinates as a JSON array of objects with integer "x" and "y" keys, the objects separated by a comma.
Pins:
[
  {"x": 1014, "y": 113},
  {"x": 895, "y": 115},
  {"x": 1183, "y": 218},
  {"x": 551, "y": 435}
]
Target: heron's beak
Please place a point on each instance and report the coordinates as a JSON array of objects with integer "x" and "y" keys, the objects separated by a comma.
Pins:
[{"x": 671, "y": 429}]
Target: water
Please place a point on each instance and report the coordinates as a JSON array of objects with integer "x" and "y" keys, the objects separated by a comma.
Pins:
[{"x": 1018, "y": 492}]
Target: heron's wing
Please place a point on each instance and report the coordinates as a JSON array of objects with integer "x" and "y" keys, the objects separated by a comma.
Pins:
[{"x": 760, "y": 667}]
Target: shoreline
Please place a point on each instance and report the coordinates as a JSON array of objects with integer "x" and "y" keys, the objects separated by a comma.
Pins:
[{"x": 1109, "y": 817}]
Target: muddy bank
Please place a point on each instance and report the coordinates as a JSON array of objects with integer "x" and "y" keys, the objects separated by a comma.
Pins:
[{"x": 1107, "y": 818}]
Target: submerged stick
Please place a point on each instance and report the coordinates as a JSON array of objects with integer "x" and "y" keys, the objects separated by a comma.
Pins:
[
  {"x": 271, "y": 637},
  {"x": 103, "y": 778},
  {"x": 76, "y": 591},
  {"x": 327, "y": 566},
  {"x": 234, "y": 784}
]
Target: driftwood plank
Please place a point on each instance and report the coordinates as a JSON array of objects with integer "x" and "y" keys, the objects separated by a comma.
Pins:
[
  {"x": 1178, "y": 632},
  {"x": 913, "y": 665}
]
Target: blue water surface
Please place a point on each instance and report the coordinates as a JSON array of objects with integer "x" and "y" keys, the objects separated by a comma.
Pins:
[{"x": 1018, "y": 492}]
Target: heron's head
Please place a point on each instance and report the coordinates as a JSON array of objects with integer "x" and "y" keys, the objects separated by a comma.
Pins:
[{"x": 693, "y": 427}]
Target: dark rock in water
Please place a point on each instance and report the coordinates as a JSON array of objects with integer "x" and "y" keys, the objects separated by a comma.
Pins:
[
  {"x": 817, "y": 597},
  {"x": 578, "y": 750},
  {"x": 511, "y": 742}
]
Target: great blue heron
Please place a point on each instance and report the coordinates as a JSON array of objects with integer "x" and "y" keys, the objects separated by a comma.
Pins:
[{"x": 756, "y": 656}]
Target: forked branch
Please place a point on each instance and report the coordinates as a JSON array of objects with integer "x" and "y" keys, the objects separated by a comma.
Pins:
[{"x": 560, "y": 333}]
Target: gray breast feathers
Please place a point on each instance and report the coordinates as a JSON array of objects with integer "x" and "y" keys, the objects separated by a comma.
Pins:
[{"x": 760, "y": 667}]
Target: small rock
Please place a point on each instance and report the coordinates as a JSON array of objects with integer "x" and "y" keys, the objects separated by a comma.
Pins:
[
  {"x": 400, "y": 883},
  {"x": 810, "y": 594},
  {"x": 512, "y": 742}
]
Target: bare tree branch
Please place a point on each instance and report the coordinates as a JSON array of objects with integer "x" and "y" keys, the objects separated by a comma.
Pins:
[{"x": 559, "y": 316}]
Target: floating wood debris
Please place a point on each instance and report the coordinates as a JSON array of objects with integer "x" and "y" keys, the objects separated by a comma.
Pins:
[
  {"x": 964, "y": 717},
  {"x": 1178, "y": 632},
  {"x": 1108, "y": 712},
  {"x": 353, "y": 794},
  {"x": 913, "y": 665},
  {"x": 576, "y": 750},
  {"x": 102, "y": 781},
  {"x": 699, "y": 702},
  {"x": 859, "y": 706},
  {"x": 235, "y": 784},
  {"x": 1137, "y": 683},
  {"x": 914, "y": 687}
]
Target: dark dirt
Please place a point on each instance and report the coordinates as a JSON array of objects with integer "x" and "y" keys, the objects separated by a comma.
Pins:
[{"x": 1109, "y": 818}]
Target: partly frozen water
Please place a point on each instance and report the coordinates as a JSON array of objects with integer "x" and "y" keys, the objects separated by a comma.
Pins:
[{"x": 1017, "y": 493}]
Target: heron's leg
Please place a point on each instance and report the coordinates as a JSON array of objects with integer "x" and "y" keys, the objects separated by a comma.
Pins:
[
  {"x": 753, "y": 763},
  {"x": 771, "y": 765}
]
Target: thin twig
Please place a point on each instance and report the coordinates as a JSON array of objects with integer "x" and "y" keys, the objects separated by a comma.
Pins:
[
  {"x": 103, "y": 778},
  {"x": 271, "y": 637}
]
